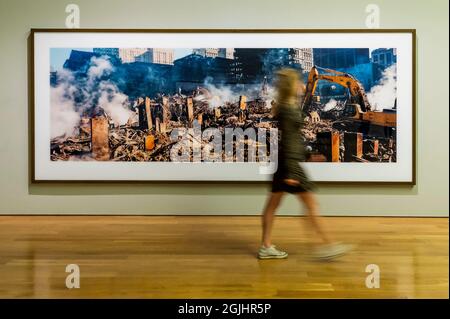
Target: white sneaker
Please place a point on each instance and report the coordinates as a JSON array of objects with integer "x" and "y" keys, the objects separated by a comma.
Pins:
[
  {"x": 331, "y": 251},
  {"x": 271, "y": 253}
]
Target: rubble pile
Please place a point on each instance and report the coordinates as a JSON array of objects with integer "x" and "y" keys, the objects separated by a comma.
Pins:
[
  {"x": 310, "y": 129},
  {"x": 371, "y": 148},
  {"x": 128, "y": 144},
  {"x": 62, "y": 149},
  {"x": 146, "y": 135}
]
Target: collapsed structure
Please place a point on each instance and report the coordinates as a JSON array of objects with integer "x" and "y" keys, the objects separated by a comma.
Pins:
[{"x": 146, "y": 135}]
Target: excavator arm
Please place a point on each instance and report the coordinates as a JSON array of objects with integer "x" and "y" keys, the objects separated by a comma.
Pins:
[{"x": 346, "y": 80}]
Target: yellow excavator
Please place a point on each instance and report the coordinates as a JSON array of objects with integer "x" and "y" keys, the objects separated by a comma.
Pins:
[{"x": 358, "y": 109}]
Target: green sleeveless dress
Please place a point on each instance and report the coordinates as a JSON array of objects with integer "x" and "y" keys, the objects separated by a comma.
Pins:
[{"x": 291, "y": 151}]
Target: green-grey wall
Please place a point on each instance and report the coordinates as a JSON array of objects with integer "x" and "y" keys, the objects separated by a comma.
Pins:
[{"x": 429, "y": 197}]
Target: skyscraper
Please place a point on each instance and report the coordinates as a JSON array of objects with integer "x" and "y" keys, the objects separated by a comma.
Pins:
[
  {"x": 206, "y": 52},
  {"x": 302, "y": 57},
  {"x": 227, "y": 53},
  {"x": 157, "y": 55},
  {"x": 340, "y": 57},
  {"x": 128, "y": 55},
  {"x": 112, "y": 52},
  {"x": 384, "y": 57},
  {"x": 249, "y": 65}
]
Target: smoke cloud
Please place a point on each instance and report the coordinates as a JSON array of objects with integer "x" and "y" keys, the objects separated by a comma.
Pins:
[
  {"x": 99, "y": 67},
  {"x": 382, "y": 95},
  {"x": 331, "y": 104},
  {"x": 63, "y": 115},
  {"x": 219, "y": 95},
  {"x": 114, "y": 103},
  {"x": 76, "y": 94}
]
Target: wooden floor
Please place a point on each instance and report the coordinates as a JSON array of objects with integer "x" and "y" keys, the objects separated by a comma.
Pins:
[{"x": 214, "y": 257}]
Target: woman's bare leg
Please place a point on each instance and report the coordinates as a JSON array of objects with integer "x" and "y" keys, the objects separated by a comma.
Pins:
[
  {"x": 273, "y": 201},
  {"x": 312, "y": 211}
]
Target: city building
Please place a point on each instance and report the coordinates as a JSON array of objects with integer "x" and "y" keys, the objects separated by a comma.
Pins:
[
  {"x": 248, "y": 65},
  {"x": 193, "y": 70},
  {"x": 302, "y": 57},
  {"x": 143, "y": 79},
  {"x": 257, "y": 65},
  {"x": 340, "y": 58},
  {"x": 384, "y": 57},
  {"x": 227, "y": 53},
  {"x": 128, "y": 55},
  {"x": 112, "y": 52},
  {"x": 79, "y": 60},
  {"x": 206, "y": 52},
  {"x": 158, "y": 56}
]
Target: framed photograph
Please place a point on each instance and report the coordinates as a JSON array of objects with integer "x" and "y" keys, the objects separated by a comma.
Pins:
[{"x": 196, "y": 105}]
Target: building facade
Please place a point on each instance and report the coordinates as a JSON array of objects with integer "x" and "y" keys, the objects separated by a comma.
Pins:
[
  {"x": 158, "y": 56},
  {"x": 302, "y": 57},
  {"x": 226, "y": 53},
  {"x": 112, "y": 52},
  {"x": 193, "y": 70},
  {"x": 79, "y": 60},
  {"x": 206, "y": 52},
  {"x": 258, "y": 65},
  {"x": 248, "y": 65},
  {"x": 384, "y": 57},
  {"x": 128, "y": 55},
  {"x": 340, "y": 58},
  {"x": 143, "y": 79}
]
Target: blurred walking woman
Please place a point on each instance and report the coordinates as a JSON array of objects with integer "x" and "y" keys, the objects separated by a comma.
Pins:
[{"x": 290, "y": 176}]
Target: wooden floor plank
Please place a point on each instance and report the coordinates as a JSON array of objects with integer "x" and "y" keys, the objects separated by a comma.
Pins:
[{"x": 214, "y": 257}]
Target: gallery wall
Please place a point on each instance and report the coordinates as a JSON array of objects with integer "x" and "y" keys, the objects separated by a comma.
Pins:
[{"x": 428, "y": 198}]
